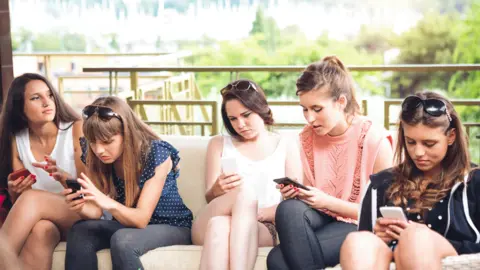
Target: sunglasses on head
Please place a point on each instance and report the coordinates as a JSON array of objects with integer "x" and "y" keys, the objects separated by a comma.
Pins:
[
  {"x": 432, "y": 106},
  {"x": 240, "y": 86},
  {"x": 104, "y": 113}
]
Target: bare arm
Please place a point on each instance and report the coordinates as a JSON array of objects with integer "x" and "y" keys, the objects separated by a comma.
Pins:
[
  {"x": 293, "y": 164},
  {"x": 384, "y": 159},
  {"x": 16, "y": 165},
  {"x": 213, "y": 167},
  {"x": 77, "y": 134},
  {"x": 140, "y": 216}
]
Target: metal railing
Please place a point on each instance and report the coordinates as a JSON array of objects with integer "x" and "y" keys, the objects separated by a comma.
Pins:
[
  {"x": 458, "y": 102},
  {"x": 236, "y": 70}
]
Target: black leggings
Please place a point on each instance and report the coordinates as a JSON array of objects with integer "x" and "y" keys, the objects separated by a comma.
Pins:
[
  {"x": 309, "y": 239},
  {"x": 126, "y": 245}
]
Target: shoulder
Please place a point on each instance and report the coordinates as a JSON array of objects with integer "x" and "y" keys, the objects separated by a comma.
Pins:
[
  {"x": 77, "y": 128},
  {"x": 474, "y": 176},
  {"x": 216, "y": 144},
  {"x": 382, "y": 178}
]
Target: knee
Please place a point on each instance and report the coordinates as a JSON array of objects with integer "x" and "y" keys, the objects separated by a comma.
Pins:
[
  {"x": 123, "y": 241},
  {"x": 359, "y": 240},
  {"x": 274, "y": 258},
  {"x": 289, "y": 210},
  {"x": 30, "y": 200},
  {"x": 218, "y": 227},
  {"x": 45, "y": 232},
  {"x": 414, "y": 236},
  {"x": 80, "y": 231},
  {"x": 246, "y": 197}
]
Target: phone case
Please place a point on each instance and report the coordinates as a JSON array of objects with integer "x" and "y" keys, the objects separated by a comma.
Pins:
[
  {"x": 229, "y": 165},
  {"x": 287, "y": 181},
  {"x": 393, "y": 212},
  {"x": 18, "y": 173}
]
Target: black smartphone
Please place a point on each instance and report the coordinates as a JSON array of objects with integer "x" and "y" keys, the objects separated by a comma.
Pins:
[
  {"x": 75, "y": 186},
  {"x": 287, "y": 181}
]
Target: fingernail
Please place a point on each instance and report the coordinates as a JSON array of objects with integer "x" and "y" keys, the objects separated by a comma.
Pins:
[
  {"x": 46, "y": 167},
  {"x": 22, "y": 177},
  {"x": 281, "y": 186},
  {"x": 50, "y": 174},
  {"x": 46, "y": 159},
  {"x": 290, "y": 185},
  {"x": 34, "y": 176}
]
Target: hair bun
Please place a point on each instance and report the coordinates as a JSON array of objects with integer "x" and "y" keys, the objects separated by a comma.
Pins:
[{"x": 335, "y": 61}]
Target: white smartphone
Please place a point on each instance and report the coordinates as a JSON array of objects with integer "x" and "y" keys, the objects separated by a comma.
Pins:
[
  {"x": 229, "y": 165},
  {"x": 393, "y": 212}
]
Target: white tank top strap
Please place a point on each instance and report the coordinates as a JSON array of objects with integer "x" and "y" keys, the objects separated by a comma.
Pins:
[{"x": 63, "y": 152}]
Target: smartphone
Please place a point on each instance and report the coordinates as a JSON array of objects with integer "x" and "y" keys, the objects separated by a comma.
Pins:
[
  {"x": 393, "y": 212},
  {"x": 18, "y": 173},
  {"x": 287, "y": 181},
  {"x": 75, "y": 186},
  {"x": 229, "y": 165}
]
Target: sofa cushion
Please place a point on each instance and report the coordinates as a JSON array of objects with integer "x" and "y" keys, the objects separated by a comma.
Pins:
[
  {"x": 167, "y": 258},
  {"x": 191, "y": 184}
]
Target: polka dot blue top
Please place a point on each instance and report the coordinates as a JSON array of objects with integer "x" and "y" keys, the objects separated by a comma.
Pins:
[{"x": 170, "y": 208}]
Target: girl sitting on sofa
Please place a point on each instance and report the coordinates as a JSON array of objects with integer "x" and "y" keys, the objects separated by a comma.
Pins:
[
  {"x": 242, "y": 199},
  {"x": 434, "y": 188},
  {"x": 340, "y": 149},
  {"x": 41, "y": 132},
  {"x": 132, "y": 174}
]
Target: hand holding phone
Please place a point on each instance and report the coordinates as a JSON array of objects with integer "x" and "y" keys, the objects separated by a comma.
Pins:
[
  {"x": 18, "y": 173},
  {"x": 393, "y": 212},
  {"x": 75, "y": 186},
  {"x": 288, "y": 181},
  {"x": 229, "y": 165}
]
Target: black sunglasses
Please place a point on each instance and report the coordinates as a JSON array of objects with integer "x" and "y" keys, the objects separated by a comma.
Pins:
[
  {"x": 432, "y": 106},
  {"x": 104, "y": 113},
  {"x": 240, "y": 86}
]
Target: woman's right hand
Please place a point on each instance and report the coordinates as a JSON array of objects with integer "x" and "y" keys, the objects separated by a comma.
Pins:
[
  {"x": 382, "y": 226},
  {"x": 225, "y": 183},
  {"x": 74, "y": 204},
  {"x": 20, "y": 185},
  {"x": 288, "y": 191}
]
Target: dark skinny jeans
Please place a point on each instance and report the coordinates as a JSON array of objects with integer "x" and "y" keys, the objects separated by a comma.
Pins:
[
  {"x": 126, "y": 245},
  {"x": 309, "y": 239}
]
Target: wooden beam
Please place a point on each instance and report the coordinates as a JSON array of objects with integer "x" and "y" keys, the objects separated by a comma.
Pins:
[{"x": 6, "y": 62}]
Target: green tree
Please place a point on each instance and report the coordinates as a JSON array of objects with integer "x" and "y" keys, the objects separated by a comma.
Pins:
[
  {"x": 47, "y": 42},
  {"x": 74, "y": 42},
  {"x": 431, "y": 41}
]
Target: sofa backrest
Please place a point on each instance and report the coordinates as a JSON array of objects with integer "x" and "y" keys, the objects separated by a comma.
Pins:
[{"x": 191, "y": 183}]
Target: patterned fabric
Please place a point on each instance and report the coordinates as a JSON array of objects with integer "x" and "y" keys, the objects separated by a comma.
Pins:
[{"x": 170, "y": 208}]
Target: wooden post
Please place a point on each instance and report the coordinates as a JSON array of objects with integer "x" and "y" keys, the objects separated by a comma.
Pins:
[{"x": 6, "y": 61}]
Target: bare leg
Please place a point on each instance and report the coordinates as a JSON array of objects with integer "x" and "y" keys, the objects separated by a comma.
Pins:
[
  {"x": 364, "y": 250},
  {"x": 422, "y": 248},
  {"x": 215, "y": 254},
  {"x": 30, "y": 208},
  {"x": 8, "y": 259},
  {"x": 38, "y": 249},
  {"x": 241, "y": 206},
  {"x": 244, "y": 231}
]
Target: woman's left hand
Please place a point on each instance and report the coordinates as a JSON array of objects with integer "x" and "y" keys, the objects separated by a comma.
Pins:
[
  {"x": 395, "y": 230},
  {"x": 93, "y": 194},
  {"x": 314, "y": 197},
  {"x": 52, "y": 168},
  {"x": 266, "y": 214}
]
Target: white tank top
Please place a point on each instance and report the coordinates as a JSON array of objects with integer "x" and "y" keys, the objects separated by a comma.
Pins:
[
  {"x": 260, "y": 174},
  {"x": 63, "y": 153}
]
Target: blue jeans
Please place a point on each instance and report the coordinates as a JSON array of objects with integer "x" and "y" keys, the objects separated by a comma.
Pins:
[{"x": 126, "y": 245}]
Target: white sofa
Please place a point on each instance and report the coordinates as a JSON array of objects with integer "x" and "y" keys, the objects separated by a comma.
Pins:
[{"x": 191, "y": 186}]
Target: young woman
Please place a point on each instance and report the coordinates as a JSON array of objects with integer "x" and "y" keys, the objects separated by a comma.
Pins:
[
  {"x": 241, "y": 206},
  {"x": 431, "y": 183},
  {"x": 41, "y": 132},
  {"x": 340, "y": 149},
  {"x": 134, "y": 177}
]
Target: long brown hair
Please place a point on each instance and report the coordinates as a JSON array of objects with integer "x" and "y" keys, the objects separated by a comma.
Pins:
[
  {"x": 330, "y": 72},
  {"x": 253, "y": 99},
  {"x": 409, "y": 182},
  {"x": 137, "y": 138},
  {"x": 14, "y": 120}
]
